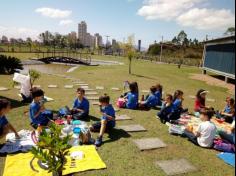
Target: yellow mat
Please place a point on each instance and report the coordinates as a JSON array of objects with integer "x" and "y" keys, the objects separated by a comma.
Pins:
[{"x": 19, "y": 165}]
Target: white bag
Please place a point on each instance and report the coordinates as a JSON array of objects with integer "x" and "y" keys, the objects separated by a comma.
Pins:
[{"x": 19, "y": 78}]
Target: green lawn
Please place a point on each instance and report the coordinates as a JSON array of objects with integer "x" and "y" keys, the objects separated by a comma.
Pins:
[{"x": 120, "y": 154}]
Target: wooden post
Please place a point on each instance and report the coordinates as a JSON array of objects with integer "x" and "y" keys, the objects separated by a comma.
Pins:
[{"x": 226, "y": 79}]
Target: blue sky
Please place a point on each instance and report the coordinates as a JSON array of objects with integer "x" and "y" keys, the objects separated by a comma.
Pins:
[{"x": 147, "y": 19}]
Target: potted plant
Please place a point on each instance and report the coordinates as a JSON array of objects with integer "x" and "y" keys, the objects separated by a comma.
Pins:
[{"x": 52, "y": 149}]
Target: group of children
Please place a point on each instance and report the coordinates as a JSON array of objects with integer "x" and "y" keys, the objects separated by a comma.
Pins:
[{"x": 171, "y": 110}]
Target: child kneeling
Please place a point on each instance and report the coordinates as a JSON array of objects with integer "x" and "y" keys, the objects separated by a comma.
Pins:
[
  {"x": 5, "y": 126},
  {"x": 107, "y": 120}
]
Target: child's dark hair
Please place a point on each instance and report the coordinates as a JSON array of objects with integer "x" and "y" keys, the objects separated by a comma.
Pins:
[
  {"x": 153, "y": 89},
  {"x": 159, "y": 87},
  {"x": 36, "y": 92},
  {"x": 133, "y": 87},
  {"x": 169, "y": 96},
  {"x": 177, "y": 94},
  {"x": 232, "y": 101},
  {"x": 104, "y": 99},
  {"x": 209, "y": 113},
  {"x": 199, "y": 97},
  {"x": 4, "y": 104},
  {"x": 81, "y": 90}
]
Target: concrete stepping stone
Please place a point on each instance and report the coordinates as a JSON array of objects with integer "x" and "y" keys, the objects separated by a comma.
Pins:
[
  {"x": 52, "y": 86},
  {"x": 95, "y": 103},
  {"x": 132, "y": 128},
  {"x": 100, "y": 88},
  {"x": 88, "y": 89},
  {"x": 82, "y": 84},
  {"x": 37, "y": 86},
  {"x": 192, "y": 96},
  {"x": 91, "y": 93},
  {"x": 149, "y": 143},
  {"x": 145, "y": 91},
  {"x": 84, "y": 87},
  {"x": 3, "y": 89},
  {"x": 78, "y": 82},
  {"x": 176, "y": 167},
  {"x": 210, "y": 100},
  {"x": 122, "y": 117},
  {"x": 92, "y": 98},
  {"x": 17, "y": 87},
  {"x": 69, "y": 86},
  {"x": 115, "y": 89}
]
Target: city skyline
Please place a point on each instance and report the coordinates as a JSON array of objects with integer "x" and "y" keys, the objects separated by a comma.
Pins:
[{"x": 149, "y": 20}]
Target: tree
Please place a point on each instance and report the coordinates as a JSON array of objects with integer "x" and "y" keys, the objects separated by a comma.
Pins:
[
  {"x": 129, "y": 50},
  {"x": 182, "y": 36},
  {"x": 9, "y": 64},
  {"x": 175, "y": 41},
  {"x": 52, "y": 149},
  {"x": 230, "y": 31},
  {"x": 34, "y": 75},
  {"x": 154, "y": 49},
  {"x": 29, "y": 43}
]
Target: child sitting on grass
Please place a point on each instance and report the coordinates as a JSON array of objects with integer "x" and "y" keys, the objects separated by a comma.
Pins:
[
  {"x": 206, "y": 132},
  {"x": 38, "y": 114},
  {"x": 5, "y": 126},
  {"x": 158, "y": 93},
  {"x": 167, "y": 109},
  {"x": 151, "y": 101},
  {"x": 178, "y": 101},
  {"x": 131, "y": 99},
  {"x": 229, "y": 112},
  {"x": 200, "y": 102},
  {"x": 80, "y": 109},
  {"x": 107, "y": 120}
]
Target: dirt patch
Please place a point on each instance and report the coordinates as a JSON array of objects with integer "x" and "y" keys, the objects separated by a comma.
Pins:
[{"x": 214, "y": 81}]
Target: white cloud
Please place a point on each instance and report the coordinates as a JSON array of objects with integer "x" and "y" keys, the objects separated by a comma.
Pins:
[
  {"x": 206, "y": 19},
  {"x": 65, "y": 22},
  {"x": 165, "y": 9},
  {"x": 18, "y": 32},
  {"x": 187, "y": 13},
  {"x": 53, "y": 13}
]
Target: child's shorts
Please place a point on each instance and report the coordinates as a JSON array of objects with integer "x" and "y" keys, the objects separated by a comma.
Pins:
[
  {"x": 3, "y": 122},
  {"x": 110, "y": 126}
]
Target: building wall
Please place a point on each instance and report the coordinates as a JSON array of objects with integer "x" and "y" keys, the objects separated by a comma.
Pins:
[{"x": 220, "y": 58}]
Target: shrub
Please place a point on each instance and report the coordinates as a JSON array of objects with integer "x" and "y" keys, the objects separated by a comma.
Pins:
[{"x": 9, "y": 64}]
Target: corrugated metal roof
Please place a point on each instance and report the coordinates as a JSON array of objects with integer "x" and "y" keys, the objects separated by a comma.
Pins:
[{"x": 222, "y": 40}]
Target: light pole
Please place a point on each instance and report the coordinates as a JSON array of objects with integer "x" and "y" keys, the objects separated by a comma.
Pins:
[{"x": 161, "y": 48}]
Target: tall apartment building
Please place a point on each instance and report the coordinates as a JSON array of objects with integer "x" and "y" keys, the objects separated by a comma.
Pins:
[
  {"x": 98, "y": 40},
  {"x": 82, "y": 33}
]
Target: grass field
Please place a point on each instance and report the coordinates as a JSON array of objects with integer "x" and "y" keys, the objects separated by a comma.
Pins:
[{"x": 119, "y": 153}]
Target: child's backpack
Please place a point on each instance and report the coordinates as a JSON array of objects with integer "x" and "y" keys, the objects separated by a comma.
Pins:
[
  {"x": 120, "y": 103},
  {"x": 64, "y": 112},
  {"x": 85, "y": 136},
  {"x": 224, "y": 146}
]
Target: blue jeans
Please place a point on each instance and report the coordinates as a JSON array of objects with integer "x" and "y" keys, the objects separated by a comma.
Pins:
[
  {"x": 228, "y": 137},
  {"x": 191, "y": 137}
]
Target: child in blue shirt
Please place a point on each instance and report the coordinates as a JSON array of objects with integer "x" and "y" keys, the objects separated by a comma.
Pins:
[
  {"x": 107, "y": 120},
  {"x": 167, "y": 109},
  {"x": 80, "y": 109},
  {"x": 229, "y": 111},
  {"x": 158, "y": 94},
  {"x": 38, "y": 114},
  {"x": 5, "y": 126},
  {"x": 151, "y": 101},
  {"x": 132, "y": 97}
]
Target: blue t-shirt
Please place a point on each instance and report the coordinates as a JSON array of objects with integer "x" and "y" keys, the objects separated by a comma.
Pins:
[
  {"x": 168, "y": 109},
  {"x": 41, "y": 118},
  {"x": 3, "y": 121},
  {"x": 84, "y": 105},
  {"x": 227, "y": 109},
  {"x": 177, "y": 104},
  {"x": 132, "y": 100},
  {"x": 109, "y": 110},
  {"x": 159, "y": 97},
  {"x": 151, "y": 101}
]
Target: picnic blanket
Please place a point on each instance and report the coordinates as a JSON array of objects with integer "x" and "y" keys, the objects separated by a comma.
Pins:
[
  {"x": 228, "y": 158},
  {"x": 194, "y": 122},
  {"x": 25, "y": 143},
  {"x": 18, "y": 165}
]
